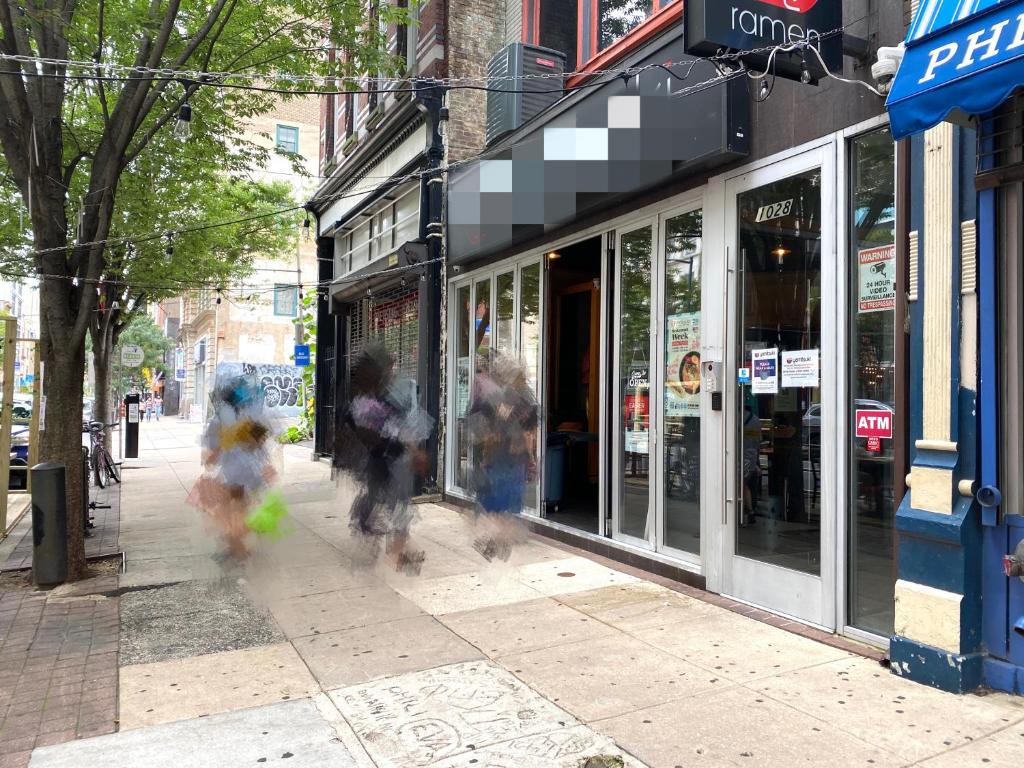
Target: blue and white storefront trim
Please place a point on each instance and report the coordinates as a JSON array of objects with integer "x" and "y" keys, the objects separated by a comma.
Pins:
[{"x": 955, "y": 608}]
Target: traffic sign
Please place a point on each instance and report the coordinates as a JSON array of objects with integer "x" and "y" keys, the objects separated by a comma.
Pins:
[
  {"x": 302, "y": 355},
  {"x": 132, "y": 355}
]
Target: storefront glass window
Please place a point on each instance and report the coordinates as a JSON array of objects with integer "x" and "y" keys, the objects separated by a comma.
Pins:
[
  {"x": 504, "y": 328},
  {"x": 407, "y": 219},
  {"x": 681, "y": 421},
  {"x": 779, "y": 412},
  {"x": 634, "y": 381},
  {"x": 463, "y": 323},
  {"x": 529, "y": 341},
  {"x": 482, "y": 322},
  {"x": 617, "y": 17},
  {"x": 871, "y": 379}
]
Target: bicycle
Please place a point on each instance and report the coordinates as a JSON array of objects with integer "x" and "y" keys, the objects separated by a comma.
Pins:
[{"x": 102, "y": 466}]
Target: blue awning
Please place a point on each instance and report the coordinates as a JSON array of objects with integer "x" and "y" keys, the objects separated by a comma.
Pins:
[{"x": 965, "y": 55}]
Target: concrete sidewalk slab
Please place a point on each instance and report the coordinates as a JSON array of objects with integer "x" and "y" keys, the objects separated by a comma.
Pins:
[
  {"x": 204, "y": 685},
  {"x": 359, "y": 655},
  {"x": 290, "y": 734},
  {"x": 739, "y": 727},
  {"x": 466, "y": 592},
  {"x": 566, "y": 748},
  {"x": 571, "y": 574},
  {"x": 913, "y": 721},
  {"x": 609, "y": 676},
  {"x": 1002, "y": 749},
  {"x": 635, "y": 606},
  {"x": 527, "y": 626},
  {"x": 433, "y": 715},
  {"x": 345, "y": 609},
  {"x": 290, "y": 581},
  {"x": 737, "y": 648}
]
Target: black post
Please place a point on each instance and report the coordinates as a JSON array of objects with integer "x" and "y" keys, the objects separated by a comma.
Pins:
[
  {"x": 131, "y": 426},
  {"x": 430, "y": 100}
]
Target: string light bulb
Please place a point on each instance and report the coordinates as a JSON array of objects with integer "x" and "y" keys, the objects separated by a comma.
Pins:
[
  {"x": 805, "y": 71},
  {"x": 183, "y": 125},
  {"x": 763, "y": 91},
  {"x": 306, "y": 228}
]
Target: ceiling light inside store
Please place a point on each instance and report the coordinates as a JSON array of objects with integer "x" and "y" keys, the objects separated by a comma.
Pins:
[
  {"x": 553, "y": 255},
  {"x": 781, "y": 253}
]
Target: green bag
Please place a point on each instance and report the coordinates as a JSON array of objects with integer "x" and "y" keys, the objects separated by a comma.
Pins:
[{"x": 268, "y": 518}]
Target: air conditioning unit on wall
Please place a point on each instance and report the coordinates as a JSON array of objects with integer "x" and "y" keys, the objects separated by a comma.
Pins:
[{"x": 515, "y": 68}]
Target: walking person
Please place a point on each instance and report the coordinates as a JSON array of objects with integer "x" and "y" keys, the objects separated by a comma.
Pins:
[
  {"x": 377, "y": 445},
  {"x": 502, "y": 423},
  {"x": 237, "y": 462},
  {"x": 158, "y": 403}
]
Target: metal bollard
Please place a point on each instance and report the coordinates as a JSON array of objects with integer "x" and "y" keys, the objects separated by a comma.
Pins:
[{"x": 49, "y": 524}]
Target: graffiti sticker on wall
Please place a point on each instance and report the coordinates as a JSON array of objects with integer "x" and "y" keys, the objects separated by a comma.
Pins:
[{"x": 281, "y": 384}]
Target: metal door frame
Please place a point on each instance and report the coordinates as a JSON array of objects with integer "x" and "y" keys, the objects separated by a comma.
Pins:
[
  {"x": 658, "y": 304},
  {"x": 806, "y": 597},
  {"x": 653, "y": 225}
]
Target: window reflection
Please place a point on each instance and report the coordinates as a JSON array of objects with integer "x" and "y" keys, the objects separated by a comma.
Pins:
[
  {"x": 779, "y": 413},
  {"x": 617, "y": 17},
  {"x": 682, "y": 381},
  {"x": 872, "y": 381},
  {"x": 462, "y": 376},
  {"x": 634, "y": 381}
]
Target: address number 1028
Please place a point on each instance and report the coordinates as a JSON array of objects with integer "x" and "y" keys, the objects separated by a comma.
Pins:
[{"x": 774, "y": 211}]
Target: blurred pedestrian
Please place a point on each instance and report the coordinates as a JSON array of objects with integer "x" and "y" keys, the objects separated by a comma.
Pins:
[
  {"x": 149, "y": 409},
  {"x": 378, "y": 447},
  {"x": 158, "y": 403},
  {"x": 502, "y": 422},
  {"x": 237, "y": 460}
]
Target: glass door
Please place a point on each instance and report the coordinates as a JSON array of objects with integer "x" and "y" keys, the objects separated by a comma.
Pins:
[
  {"x": 679, "y": 511},
  {"x": 635, "y": 438},
  {"x": 780, "y": 538}
]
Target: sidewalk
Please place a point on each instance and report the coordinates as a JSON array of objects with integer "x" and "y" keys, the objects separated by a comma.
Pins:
[{"x": 544, "y": 662}]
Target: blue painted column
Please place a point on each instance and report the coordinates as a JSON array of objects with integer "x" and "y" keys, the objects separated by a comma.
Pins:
[
  {"x": 938, "y": 594},
  {"x": 1003, "y": 597}
]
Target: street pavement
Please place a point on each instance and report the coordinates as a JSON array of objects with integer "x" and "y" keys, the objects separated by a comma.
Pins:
[{"x": 306, "y": 657}]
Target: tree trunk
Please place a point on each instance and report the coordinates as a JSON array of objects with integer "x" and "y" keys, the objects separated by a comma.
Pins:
[
  {"x": 64, "y": 368},
  {"x": 101, "y": 394},
  {"x": 102, "y": 353}
]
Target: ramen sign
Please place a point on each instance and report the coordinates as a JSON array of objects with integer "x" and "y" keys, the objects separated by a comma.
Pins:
[{"x": 758, "y": 26}]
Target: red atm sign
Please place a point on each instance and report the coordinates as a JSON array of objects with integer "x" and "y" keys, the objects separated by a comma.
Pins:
[{"x": 873, "y": 424}]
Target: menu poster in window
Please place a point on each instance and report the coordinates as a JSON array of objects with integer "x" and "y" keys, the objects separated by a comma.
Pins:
[
  {"x": 462, "y": 387},
  {"x": 764, "y": 365},
  {"x": 682, "y": 366},
  {"x": 876, "y": 269},
  {"x": 637, "y": 409}
]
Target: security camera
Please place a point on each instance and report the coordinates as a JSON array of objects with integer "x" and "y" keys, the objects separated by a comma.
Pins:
[{"x": 884, "y": 69}]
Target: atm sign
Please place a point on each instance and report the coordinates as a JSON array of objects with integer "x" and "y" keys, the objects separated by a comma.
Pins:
[{"x": 874, "y": 424}]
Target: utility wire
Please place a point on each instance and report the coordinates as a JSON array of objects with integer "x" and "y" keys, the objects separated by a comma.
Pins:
[{"x": 205, "y": 78}]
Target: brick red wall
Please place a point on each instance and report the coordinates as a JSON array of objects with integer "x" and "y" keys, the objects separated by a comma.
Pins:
[{"x": 476, "y": 31}]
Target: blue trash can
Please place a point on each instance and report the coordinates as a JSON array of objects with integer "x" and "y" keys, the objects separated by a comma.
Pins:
[{"x": 554, "y": 469}]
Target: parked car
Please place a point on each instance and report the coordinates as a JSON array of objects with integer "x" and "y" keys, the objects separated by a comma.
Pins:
[{"x": 22, "y": 410}]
